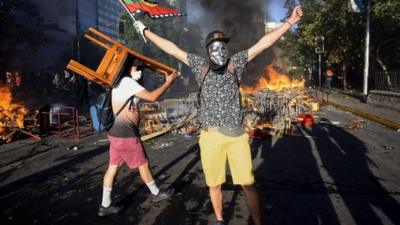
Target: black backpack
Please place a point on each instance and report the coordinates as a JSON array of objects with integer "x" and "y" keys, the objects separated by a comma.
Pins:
[
  {"x": 101, "y": 111},
  {"x": 105, "y": 112}
]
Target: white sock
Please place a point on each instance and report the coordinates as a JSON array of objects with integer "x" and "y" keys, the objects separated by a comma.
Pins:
[
  {"x": 153, "y": 187},
  {"x": 106, "y": 197}
]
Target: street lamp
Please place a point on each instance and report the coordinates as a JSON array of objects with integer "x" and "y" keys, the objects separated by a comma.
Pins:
[{"x": 319, "y": 49}]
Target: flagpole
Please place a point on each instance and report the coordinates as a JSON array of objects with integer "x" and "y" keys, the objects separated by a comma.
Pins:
[{"x": 133, "y": 18}]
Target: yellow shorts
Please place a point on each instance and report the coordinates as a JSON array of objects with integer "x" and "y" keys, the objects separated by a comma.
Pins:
[{"x": 216, "y": 148}]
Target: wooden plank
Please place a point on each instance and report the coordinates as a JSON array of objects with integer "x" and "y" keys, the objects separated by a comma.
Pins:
[
  {"x": 116, "y": 65},
  {"x": 153, "y": 64},
  {"x": 101, "y": 35},
  {"x": 106, "y": 61},
  {"x": 170, "y": 127},
  {"x": 96, "y": 41},
  {"x": 155, "y": 134},
  {"x": 86, "y": 72},
  {"x": 77, "y": 68}
]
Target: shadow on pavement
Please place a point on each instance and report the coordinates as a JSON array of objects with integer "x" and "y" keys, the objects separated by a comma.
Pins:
[
  {"x": 347, "y": 163},
  {"x": 321, "y": 175}
]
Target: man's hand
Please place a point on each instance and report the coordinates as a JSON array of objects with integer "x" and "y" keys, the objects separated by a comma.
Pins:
[
  {"x": 169, "y": 79},
  {"x": 270, "y": 38},
  {"x": 140, "y": 27},
  {"x": 297, "y": 13}
]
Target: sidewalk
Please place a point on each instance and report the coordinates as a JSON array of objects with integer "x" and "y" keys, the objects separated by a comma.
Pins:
[{"x": 383, "y": 115}]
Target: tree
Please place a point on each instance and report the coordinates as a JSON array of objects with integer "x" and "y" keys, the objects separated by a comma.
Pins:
[
  {"x": 344, "y": 34},
  {"x": 386, "y": 40}
]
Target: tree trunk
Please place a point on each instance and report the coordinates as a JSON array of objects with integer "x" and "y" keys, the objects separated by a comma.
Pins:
[
  {"x": 386, "y": 73},
  {"x": 380, "y": 62}
]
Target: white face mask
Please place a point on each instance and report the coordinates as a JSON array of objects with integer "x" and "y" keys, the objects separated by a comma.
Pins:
[
  {"x": 218, "y": 52},
  {"x": 136, "y": 75}
]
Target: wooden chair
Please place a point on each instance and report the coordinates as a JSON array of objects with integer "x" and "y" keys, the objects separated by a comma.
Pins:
[{"x": 113, "y": 61}]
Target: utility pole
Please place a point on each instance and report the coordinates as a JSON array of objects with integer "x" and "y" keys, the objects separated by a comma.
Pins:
[
  {"x": 319, "y": 49},
  {"x": 366, "y": 56}
]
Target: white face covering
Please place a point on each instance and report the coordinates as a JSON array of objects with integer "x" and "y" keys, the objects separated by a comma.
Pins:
[
  {"x": 136, "y": 75},
  {"x": 218, "y": 52}
]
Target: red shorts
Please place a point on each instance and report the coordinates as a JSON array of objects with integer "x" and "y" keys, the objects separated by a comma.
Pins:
[{"x": 128, "y": 150}]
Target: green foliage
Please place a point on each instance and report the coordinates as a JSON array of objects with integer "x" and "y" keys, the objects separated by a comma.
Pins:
[
  {"x": 385, "y": 34},
  {"x": 185, "y": 36},
  {"x": 389, "y": 9},
  {"x": 344, "y": 34}
]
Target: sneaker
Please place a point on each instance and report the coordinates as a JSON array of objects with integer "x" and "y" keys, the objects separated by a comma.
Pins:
[
  {"x": 162, "y": 195},
  {"x": 112, "y": 209},
  {"x": 219, "y": 223}
]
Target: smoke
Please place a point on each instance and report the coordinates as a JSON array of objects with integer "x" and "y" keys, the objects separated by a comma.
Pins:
[{"x": 242, "y": 20}]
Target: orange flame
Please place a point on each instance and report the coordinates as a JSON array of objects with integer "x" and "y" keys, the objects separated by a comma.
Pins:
[
  {"x": 275, "y": 82},
  {"x": 13, "y": 112}
]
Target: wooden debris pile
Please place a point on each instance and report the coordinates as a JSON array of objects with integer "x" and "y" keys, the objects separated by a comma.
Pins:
[
  {"x": 355, "y": 124},
  {"x": 271, "y": 112},
  {"x": 160, "y": 115},
  {"x": 13, "y": 117}
]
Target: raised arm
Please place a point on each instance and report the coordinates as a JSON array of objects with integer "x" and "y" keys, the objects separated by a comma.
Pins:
[
  {"x": 166, "y": 45},
  {"x": 270, "y": 38},
  {"x": 155, "y": 94}
]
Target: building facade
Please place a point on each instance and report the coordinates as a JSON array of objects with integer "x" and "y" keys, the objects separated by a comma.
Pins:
[
  {"x": 64, "y": 23},
  {"x": 108, "y": 13}
]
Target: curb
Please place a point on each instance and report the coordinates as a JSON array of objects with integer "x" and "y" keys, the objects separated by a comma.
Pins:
[{"x": 389, "y": 123}]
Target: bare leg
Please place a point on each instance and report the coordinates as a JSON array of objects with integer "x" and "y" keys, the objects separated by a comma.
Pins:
[
  {"x": 216, "y": 200},
  {"x": 251, "y": 196},
  {"x": 110, "y": 175},
  {"x": 145, "y": 173}
]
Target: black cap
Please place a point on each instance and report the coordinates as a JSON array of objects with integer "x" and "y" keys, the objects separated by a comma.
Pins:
[
  {"x": 216, "y": 36},
  {"x": 137, "y": 62}
]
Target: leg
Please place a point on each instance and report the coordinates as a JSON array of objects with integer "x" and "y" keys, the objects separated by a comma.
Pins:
[
  {"x": 213, "y": 161},
  {"x": 145, "y": 173},
  {"x": 108, "y": 182},
  {"x": 216, "y": 200},
  {"x": 241, "y": 166},
  {"x": 110, "y": 175},
  {"x": 251, "y": 196},
  {"x": 136, "y": 158},
  {"x": 106, "y": 208},
  {"x": 330, "y": 83},
  {"x": 157, "y": 194}
]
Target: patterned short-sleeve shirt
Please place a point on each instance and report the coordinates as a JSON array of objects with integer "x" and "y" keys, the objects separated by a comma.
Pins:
[{"x": 219, "y": 98}]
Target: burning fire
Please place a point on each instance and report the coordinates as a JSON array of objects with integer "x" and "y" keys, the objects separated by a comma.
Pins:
[
  {"x": 275, "y": 82},
  {"x": 11, "y": 114}
]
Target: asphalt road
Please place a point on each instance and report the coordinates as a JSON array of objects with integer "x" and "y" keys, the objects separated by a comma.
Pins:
[{"x": 324, "y": 174}]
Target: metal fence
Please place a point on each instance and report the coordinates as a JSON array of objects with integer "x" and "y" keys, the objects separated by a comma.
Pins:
[{"x": 384, "y": 82}]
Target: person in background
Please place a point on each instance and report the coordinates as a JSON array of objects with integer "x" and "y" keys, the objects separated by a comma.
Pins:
[
  {"x": 18, "y": 79},
  {"x": 328, "y": 79},
  {"x": 9, "y": 79}
]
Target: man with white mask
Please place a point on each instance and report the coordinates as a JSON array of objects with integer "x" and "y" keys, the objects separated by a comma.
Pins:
[
  {"x": 125, "y": 143},
  {"x": 217, "y": 51},
  {"x": 222, "y": 137}
]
